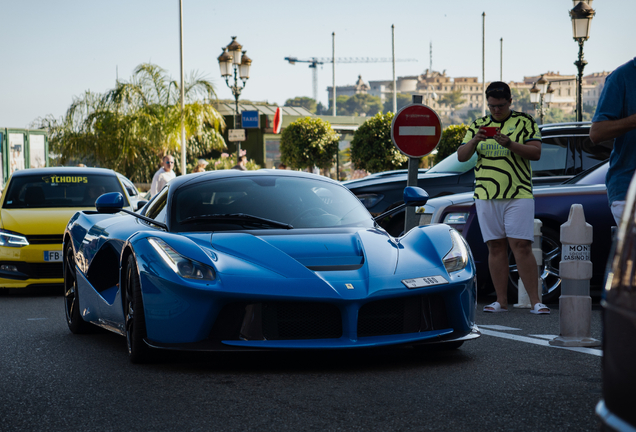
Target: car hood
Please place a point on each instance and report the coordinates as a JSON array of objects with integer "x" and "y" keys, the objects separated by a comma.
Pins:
[
  {"x": 36, "y": 221},
  {"x": 364, "y": 257}
]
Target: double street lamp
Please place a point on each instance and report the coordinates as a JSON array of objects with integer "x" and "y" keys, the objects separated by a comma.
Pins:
[
  {"x": 581, "y": 14},
  {"x": 540, "y": 94},
  {"x": 234, "y": 61}
]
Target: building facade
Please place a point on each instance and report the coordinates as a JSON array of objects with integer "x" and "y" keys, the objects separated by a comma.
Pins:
[{"x": 434, "y": 86}]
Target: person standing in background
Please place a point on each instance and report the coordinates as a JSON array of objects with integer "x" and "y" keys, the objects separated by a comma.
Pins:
[
  {"x": 163, "y": 175},
  {"x": 615, "y": 119},
  {"x": 503, "y": 191}
]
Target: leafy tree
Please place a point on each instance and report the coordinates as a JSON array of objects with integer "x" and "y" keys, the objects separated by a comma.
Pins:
[
  {"x": 521, "y": 101},
  {"x": 372, "y": 148},
  {"x": 556, "y": 115},
  {"x": 341, "y": 109},
  {"x": 356, "y": 105},
  {"x": 452, "y": 137},
  {"x": 302, "y": 101},
  {"x": 403, "y": 100},
  {"x": 322, "y": 110},
  {"x": 307, "y": 142},
  {"x": 472, "y": 115},
  {"x": 130, "y": 127},
  {"x": 453, "y": 99},
  {"x": 363, "y": 103}
]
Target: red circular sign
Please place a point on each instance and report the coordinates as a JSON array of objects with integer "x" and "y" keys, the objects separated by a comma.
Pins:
[{"x": 416, "y": 130}]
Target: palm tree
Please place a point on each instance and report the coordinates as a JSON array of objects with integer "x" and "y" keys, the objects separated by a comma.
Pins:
[{"x": 131, "y": 126}]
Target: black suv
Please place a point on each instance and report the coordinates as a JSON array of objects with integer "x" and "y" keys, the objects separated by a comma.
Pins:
[{"x": 566, "y": 150}]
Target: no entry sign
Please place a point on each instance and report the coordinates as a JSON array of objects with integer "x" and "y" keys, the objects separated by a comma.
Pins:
[{"x": 416, "y": 130}]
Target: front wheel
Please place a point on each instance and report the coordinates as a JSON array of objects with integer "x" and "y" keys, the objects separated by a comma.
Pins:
[
  {"x": 551, "y": 281},
  {"x": 74, "y": 319},
  {"x": 138, "y": 350}
]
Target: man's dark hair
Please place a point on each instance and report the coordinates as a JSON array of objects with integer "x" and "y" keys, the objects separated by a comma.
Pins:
[{"x": 498, "y": 90}]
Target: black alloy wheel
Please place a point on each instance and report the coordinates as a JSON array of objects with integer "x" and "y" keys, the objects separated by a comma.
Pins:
[
  {"x": 74, "y": 319},
  {"x": 138, "y": 350},
  {"x": 551, "y": 248}
]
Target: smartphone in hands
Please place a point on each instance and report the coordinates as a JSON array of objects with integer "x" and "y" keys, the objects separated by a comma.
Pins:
[{"x": 490, "y": 131}]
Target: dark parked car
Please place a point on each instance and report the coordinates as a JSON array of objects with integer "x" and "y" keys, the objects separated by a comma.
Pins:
[
  {"x": 616, "y": 409},
  {"x": 566, "y": 151},
  {"x": 552, "y": 207}
]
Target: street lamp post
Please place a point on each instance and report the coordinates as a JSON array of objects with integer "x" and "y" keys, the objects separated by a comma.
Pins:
[
  {"x": 233, "y": 59},
  {"x": 540, "y": 94},
  {"x": 581, "y": 14}
]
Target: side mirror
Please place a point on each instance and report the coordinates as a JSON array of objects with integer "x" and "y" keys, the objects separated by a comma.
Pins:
[
  {"x": 111, "y": 202},
  {"x": 415, "y": 196},
  {"x": 141, "y": 204}
]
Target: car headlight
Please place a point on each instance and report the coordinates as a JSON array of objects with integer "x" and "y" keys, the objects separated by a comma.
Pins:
[
  {"x": 12, "y": 239},
  {"x": 456, "y": 218},
  {"x": 370, "y": 200},
  {"x": 181, "y": 265},
  {"x": 457, "y": 258}
]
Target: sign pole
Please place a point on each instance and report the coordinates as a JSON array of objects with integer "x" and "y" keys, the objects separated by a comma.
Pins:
[
  {"x": 416, "y": 130},
  {"x": 411, "y": 220}
]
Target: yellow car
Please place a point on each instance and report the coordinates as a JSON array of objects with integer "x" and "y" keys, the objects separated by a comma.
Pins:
[{"x": 36, "y": 207}]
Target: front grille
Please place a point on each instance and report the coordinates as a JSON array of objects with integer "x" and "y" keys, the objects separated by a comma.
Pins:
[
  {"x": 56, "y": 239},
  {"x": 402, "y": 315},
  {"x": 277, "y": 321},
  {"x": 37, "y": 270}
]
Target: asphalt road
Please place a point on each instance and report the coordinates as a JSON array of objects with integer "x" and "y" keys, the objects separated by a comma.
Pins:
[{"x": 52, "y": 380}]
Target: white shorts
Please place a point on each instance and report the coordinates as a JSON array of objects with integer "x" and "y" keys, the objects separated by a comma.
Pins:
[
  {"x": 506, "y": 218},
  {"x": 617, "y": 208}
]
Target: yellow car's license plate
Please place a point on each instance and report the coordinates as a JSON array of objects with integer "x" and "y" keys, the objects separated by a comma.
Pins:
[{"x": 53, "y": 256}]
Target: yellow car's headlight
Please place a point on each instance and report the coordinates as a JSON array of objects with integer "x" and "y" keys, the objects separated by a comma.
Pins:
[{"x": 12, "y": 239}]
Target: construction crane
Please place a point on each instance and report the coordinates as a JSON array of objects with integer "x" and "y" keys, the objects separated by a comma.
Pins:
[{"x": 315, "y": 61}]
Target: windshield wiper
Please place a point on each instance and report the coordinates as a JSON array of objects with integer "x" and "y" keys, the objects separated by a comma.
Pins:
[{"x": 236, "y": 217}]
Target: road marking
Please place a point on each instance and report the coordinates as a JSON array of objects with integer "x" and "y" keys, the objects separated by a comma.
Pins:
[
  {"x": 547, "y": 337},
  {"x": 35, "y": 319},
  {"x": 497, "y": 327},
  {"x": 541, "y": 342}
]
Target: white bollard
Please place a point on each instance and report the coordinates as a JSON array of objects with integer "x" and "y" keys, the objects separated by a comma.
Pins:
[
  {"x": 575, "y": 269},
  {"x": 523, "y": 301}
]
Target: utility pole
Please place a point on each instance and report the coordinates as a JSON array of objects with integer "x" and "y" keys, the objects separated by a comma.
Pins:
[
  {"x": 483, "y": 64},
  {"x": 394, "y": 81},
  {"x": 183, "y": 140},
  {"x": 333, "y": 70},
  {"x": 501, "y": 59}
]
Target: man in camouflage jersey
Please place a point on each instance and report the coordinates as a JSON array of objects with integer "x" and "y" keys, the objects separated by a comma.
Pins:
[{"x": 503, "y": 192}]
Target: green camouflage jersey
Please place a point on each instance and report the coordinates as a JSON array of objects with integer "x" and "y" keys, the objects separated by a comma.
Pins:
[{"x": 500, "y": 173}]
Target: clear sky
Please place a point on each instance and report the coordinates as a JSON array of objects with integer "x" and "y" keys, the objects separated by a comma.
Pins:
[{"x": 53, "y": 51}]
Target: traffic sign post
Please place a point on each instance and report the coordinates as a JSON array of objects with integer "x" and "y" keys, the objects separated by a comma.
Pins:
[
  {"x": 416, "y": 131},
  {"x": 236, "y": 135}
]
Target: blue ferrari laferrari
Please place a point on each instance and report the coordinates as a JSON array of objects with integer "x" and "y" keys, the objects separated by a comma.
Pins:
[{"x": 268, "y": 259}]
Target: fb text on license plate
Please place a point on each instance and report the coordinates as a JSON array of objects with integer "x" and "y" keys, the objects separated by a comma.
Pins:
[
  {"x": 424, "y": 281},
  {"x": 53, "y": 256}
]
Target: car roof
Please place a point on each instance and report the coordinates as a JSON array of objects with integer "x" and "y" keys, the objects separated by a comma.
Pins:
[
  {"x": 233, "y": 173},
  {"x": 570, "y": 128}
]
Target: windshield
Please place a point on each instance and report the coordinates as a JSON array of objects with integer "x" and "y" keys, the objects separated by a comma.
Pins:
[
  {"x": 452, "y": 165},
  {"x": 594, "y": 175},
  {"x": 58, "y": 190},
  {"x": 265, "y": 202}
]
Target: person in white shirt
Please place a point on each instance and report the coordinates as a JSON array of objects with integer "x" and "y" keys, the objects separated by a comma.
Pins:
[{"x": 163, "y": 175}]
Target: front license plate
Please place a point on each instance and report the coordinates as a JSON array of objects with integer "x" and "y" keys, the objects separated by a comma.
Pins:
[
  {"x": 53, "y": 256},
  {"x": 424, "y": 281}
]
